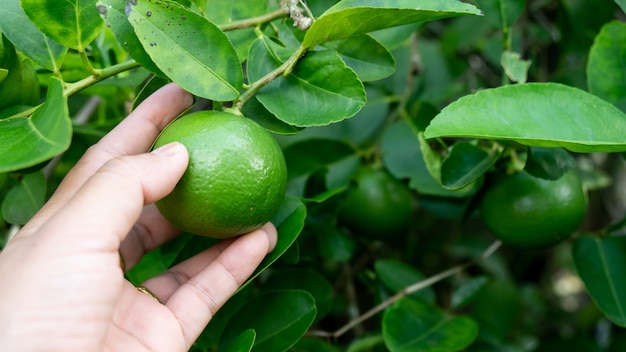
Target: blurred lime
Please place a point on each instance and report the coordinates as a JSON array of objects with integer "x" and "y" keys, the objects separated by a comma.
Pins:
[
  {"x": 235, "y": 180},
  {"x": 378, "y": 207},
  {"x": 530, "y": 212}
]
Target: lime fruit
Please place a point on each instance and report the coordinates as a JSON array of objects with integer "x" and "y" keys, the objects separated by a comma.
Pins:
[
  {"x": 235, "y": 180},
  {"x": 378, "y": 207},
  {"x": 529, "y": 212}
]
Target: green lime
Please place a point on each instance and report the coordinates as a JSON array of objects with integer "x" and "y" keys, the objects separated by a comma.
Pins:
[
  {"x": 378, "y": 207},
  {"x": 235, "y": 180},
  {"x": 529, "y": 212}
]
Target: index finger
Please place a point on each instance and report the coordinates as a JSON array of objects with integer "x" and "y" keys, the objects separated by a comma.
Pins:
[{"x": 134, "y": 135}]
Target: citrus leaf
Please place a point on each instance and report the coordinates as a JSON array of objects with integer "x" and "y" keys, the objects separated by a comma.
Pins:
[
  {"x": 396, "y": 276},
  {"x": 606, "y": 68},
  {"x": 310, "y": 155},
  {"x": 467, "y": 291},
  {"x": 27, "y": 141},
  {"x": 370, "y": 65},
  {"x": 242, "y": 343},
  {"x": 24, "y": 200},
  {"x": 256, "y": 111},
  {"x": 410, "y": 325},
  {"x": 622, "y": 4},
  {"x": 502, "y": 13},
  {"x": 320, "y": 90},
  {"x": 349, "y": 18},
  {"x": 514, "y": 67},
  {"x": 289, "y": 221},
  {"x": 73, "y": 23},
  {"x": 601, "y": 264},
  {"x": 536, "y": 114},
  {"x": 549, "y": 163},
  {"x": 23, "y": 33},
  {"x": 465, "y": 164},
  {"x": 280, "y": 319},
  {"x": 114, "y": 15},
  {"x": 189, "y": 49}
]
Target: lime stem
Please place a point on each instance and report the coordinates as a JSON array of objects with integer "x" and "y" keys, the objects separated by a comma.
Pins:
[{"x": 255, "y": 21}]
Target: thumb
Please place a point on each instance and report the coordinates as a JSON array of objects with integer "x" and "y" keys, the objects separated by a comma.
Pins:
[{"x": 110, "y": 202}]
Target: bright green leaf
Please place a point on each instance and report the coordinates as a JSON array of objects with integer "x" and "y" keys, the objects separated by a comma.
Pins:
[
  {"x": 27, "y": 141},
  {"x": 514, "y": 67},
  {"x": 502, "y": 13},
  {"x": 114, "y": 15},
  {"x": 349, "y": 18},
  {"x": 410, "y": 326},
  {"x": 370, "y": 65},
  {"x": 397, "y": 276},
  {"x": 320, "y": 90},
  {"x": 536, "y": 114},
  {"x": 23, "y": 201},
  {"x": 189, "y": 49},
  {"x": 73, "y": 23},
  {"x": 606, "y": 68},
  {"x": 465, "y": 164},
  {"x": 241, "y": 343},
  {"x": 601, "y": 264},
  {"x": 549, "y": 163},
  {"x": 21, "y": 31},
  {"x": 280, "y": 319}
]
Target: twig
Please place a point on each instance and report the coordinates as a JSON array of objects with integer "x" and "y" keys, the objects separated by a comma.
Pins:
[
  {"x": 255, "y": 21},
  {"x": 407, "y": 291}
]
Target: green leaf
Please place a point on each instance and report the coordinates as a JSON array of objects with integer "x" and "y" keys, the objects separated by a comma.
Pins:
[
  {"x": 23, "y": 33},
  {"x": 312, "y": 344},
  {"x": 350, "y": 18},
  {"x": 334, "y": 244},
  {"x": 416, "y": 326},
  {"x": 73, "y": 23},
  {"x": 189, "y": 49},
  {"x": 242, "y": 343},
  {"x": 310, "y": 155},
  {"x": 502, "y": 13},
  {"x": 23, "y": 201},
  {"x": 397, "y": 276},
  {"x": 606, "y": 68},
  {"x": 114, "y": 15},
  {"x": 536, "y": 114},
  {"x": 622, "y": 4},
  {"x": 514, "y": 67},
  {"x": 280, "y": 319},
  {"x": 601, "y": 264},
  {"x": 320, "y": 90},
  {"x": 465, "y": 164},
  {"x": 20, "y": 86},
  {"x": 289, "y": 221},
  {"x": 27, "y": 141},
  {"x": 257, "y": 112},
  {"x": 403, "y": 157},
  {"x": 467, "y": 291},
  {"x": 306, "y": 280},
  {"x": 370, "y": 65},
  {"x": 549, "y": 163}
]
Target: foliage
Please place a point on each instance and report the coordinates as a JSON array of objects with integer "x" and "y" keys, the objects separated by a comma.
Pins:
[{"x": 444, "y": 95}]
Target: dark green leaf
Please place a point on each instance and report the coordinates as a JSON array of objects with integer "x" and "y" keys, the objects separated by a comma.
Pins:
[
  {"x": 114, "y": 15},
  {"x": 320, "y": 90},
  {"x": 349, "y": 18},
  {"x": 334, "y": 245},
  {"x": 23, "y": 201},
  {"x": 257, "y": 112},
  {"x": 159, "y": 260},
  {"x": 416, "y": 326},
  {"x": 606, "y": 67},
  {"x": 549, "y": 163},
  {"x": 502, "y": 13},
  {"x": 28, "y": 141},
  {"x": 312, "y": 344},
  {"x": 21, "y": 31},
  {"x": 496, "y": 309},
  {"x": 289, "y": 221},
  {"x": 467, "y": 291},
  {"x": 601, "y": 264},
  {"x": 73, "y": 23},
  {"x": 366, "y": 343},
  {"x": 189, "y": 49},
  {"x": 397, "y": 276},
  {"x": 19, "y": 87},
  {"x": 241, "y": 343},
  {"x": 536, "y": 114},
  {"x": 372, "y": 64},
  {"x": 311, "y": 155},
  {"x": 465, "y": 164},
  {"x": 280, "y": 319}
]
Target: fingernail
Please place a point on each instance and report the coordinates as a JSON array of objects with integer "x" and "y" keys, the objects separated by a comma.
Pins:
[{"x": 169, "y": 149}]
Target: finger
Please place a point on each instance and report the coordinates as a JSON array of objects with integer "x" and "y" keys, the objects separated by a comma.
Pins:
[
  {"x": 200, "y": 290},
  {"x": 103, "y": 211},
  {"x": 148, "y": 233},
  {"x": 132, "y": 136}
]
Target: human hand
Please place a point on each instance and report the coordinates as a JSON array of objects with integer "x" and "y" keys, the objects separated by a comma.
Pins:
[{"x": 62, "y": 285}]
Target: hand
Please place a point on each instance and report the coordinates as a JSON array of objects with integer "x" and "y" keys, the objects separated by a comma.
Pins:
[{"x": 62, "y": 287}]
